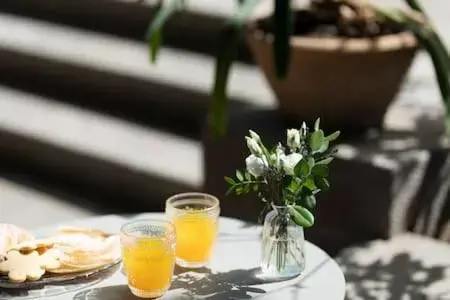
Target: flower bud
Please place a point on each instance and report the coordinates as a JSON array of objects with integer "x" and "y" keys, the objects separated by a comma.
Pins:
[
  {"x": 304, "y": 129},
  {"x": 255, "y": 136},
  {"x": 293, "y": 138},
  {"x": 253, "y": 146}
]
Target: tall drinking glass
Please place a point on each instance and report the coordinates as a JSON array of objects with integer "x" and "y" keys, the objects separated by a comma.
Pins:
[
  {"x": 148, "y": 251},
  {"x": 195, "y": 216}
]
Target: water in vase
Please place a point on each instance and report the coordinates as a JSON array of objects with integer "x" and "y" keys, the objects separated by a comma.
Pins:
[{"x": 282, "y": 248}]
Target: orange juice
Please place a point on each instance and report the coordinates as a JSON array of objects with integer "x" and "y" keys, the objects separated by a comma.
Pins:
[
  {"x": 149, "y": 264},
  {"x": 196, "y": 234}
]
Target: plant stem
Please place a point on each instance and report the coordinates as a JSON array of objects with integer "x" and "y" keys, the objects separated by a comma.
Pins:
[{"x": 281, "y": 242}]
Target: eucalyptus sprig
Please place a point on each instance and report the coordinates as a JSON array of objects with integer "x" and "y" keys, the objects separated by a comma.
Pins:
[{"x": 290, "y": 175}]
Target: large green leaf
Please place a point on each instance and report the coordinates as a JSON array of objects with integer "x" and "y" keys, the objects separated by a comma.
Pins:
[
  {"x": 432, "y": 44},
  {"x": 311, "y": 201},
  {"x": 154, "y": 35},
  {"x": 301, "y": 216},
  {"x": 439, "y": 57},
  {"x": 309, "y": 184},
  {"x": 325, "y": 161},
  {"x": 417, "y": 6},
  {"x": 282, "y": 23},
  {"x": 322, "y": 183},
  {"x": 321, "y": 170},
  {"x": 229, "y": 180},
  {"x": 316, "y": 140},
  {"x": 302, "y": 169},
  {"x": 333, "y": 136},
  {"x": 227, "y": 53},
  {"x": 228, "y": 47}
]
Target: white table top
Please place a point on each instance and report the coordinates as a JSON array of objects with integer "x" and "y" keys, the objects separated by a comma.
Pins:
[{"x": 232, "y": 273}]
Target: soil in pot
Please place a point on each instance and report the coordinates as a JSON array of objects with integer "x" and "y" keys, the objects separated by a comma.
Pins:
[{"x": 319, "y": 23}]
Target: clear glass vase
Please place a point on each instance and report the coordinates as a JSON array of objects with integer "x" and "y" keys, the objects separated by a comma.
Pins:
[{"x": 283, "y": 252}]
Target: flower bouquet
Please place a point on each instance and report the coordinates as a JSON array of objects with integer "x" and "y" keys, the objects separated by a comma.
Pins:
[{"x": 287, "y": 178}]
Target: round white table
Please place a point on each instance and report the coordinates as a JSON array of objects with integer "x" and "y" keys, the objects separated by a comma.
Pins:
[{"x": 232, "y": 273}]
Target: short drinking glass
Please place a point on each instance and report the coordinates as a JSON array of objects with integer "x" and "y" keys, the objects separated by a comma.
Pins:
[
  {"x": 148, "y": 251},
  {"x": 195, "y": 216}
]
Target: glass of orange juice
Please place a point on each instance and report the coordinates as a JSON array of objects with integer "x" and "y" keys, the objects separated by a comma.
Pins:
[
  {"x": 148, "y": 252},
  {"x": 195, "y": 217}
]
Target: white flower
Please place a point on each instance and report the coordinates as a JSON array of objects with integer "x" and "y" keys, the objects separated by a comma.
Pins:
[
  {"x": 255, "y": 165},
  {"x": 253, "y": 146},
  {"x": 293, "y": 138},
  {"x": 255, "y": 136},
  {"x": 290, "y": 161}
]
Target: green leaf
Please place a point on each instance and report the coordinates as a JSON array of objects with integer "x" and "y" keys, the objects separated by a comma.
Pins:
[
  {"x": 415, "y": 5},
  {"x": 247, "y": 176},
  {"x": 317, "y": 124},
  {"x": 230, "y": 189},
  {"x": 302, "y": 169},
  {"x": 333, "y": 136},
  {"x": 311, "y": 201},
  {"x": 429, "y": 40},
  {"x": 282, "y": 22},
  {"x": 316, "y": 140},
  {"x": 325, "y": 161},
  {"x": 301, "y": 216},
  {"x": 322, "y": 183},
  {"x": 154, "y": 45},
  {"x": 311, "y": 162},
  {"x": 440, "y": 45},
  {"x": 321, "y": 170},
  {"x": 294, "y": 185},
  {"x": 155, "y": 27},
  {"x": 439, "y": 57},
  {"x": 229, "y": 42},
  {"x": 324, "y": 146},
  {"x": 230, "y": 180},
  {"x": 239, "y": 175},
  {"x": 309, "y": 184},
  {"x": 239, "y": 190},
  {"x": 447, "y": 124},
  {"x": 255, "y": 187},
  {"x": 331, "y": 152}
]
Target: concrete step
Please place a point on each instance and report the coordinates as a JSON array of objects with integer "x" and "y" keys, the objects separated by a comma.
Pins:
[
  {"x": 196, "y": 28},
  {"x": 93, "y": 155},
  {"x": 113, "y": 74},
  {"x": 41, "y": 209}
]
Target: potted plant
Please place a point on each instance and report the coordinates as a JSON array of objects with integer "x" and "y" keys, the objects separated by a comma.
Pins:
[
  {"x": 287, "y": 178},
  {"x": 341, "y": 59}
]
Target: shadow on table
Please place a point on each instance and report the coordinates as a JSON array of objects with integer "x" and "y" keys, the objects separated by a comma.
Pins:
[
  {"x": 235, "y": 284},
  {"x": 400, "y": 278},
  {"x": 203, "y": 283},
  {"x": 115, "y": 292}
]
